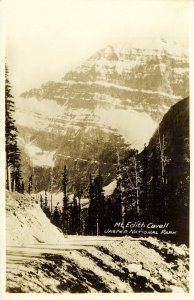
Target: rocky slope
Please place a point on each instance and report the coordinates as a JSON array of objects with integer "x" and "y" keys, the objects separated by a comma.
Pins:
[
  {"x": 40, "y": 259},
  {"x": 26, "y": 222},
  {"x": 99, "y": 265},
  {"x": 116, "y": 97}
]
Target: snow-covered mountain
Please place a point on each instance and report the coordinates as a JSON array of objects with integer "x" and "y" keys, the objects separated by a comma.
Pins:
[{"x": 115, "y": 98}]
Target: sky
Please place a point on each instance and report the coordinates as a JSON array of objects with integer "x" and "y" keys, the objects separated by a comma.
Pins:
[{"x": 46, "y": 38}]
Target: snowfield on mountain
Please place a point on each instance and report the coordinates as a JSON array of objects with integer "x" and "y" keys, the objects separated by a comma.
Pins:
[
  {"x": 98, "y": 104},
  {"x": 40, "y": 258}
]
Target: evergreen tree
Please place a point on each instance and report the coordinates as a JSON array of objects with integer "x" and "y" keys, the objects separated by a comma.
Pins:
[
  {"x": 79, "y": 192},
  {"x": 45, "y": 200},
  {"x": 100, "y": 200},
  {"x": 51, "y": 189},
  {"x": 22, "y": 188},
  {"x": 164, "y": 162},
  {"x": 158, "y": 186},
  {"x": 117, "y": 212},
  {"x": 74, "y": 219},
  {"x": 131, "y": 179},
  {"x": 110, "y": 213},
  {"x": 41, "y": 202},
  {"x": 154, "y": 187},
  {"x": 96, "y": 210},
  {"x": 90, "y": 226},
  {"x": 116, "y": 205},
  {"x": 56, "y": 218},
  {"x": 30, "y": 186},
  {"x": 144, "y": 202},
  {"x": 13, "y": 165},
  {"x": 46, "y": 208},
  {"x": 66, "y": 211}
]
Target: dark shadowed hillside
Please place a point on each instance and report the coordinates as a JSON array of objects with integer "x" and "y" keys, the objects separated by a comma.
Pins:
[
  {"x": 153, "y": 186},
  {"x": 174, "y": 135},
  {"x": 175, "y": 128}
]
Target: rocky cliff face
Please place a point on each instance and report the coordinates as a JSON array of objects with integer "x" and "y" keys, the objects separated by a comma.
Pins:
[{"x": 115, "y": 98}]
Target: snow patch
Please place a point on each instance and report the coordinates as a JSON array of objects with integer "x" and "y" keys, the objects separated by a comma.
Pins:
[
  {"x": 31, "y": 112},
  {"x": 109, "y": 189},
  {"x": 40, "y": 157},
  {"x": 121, "y": 87},
  {"x": 46, "y": 107},
  {"x": 125, "y": 88},
  {"x": 57, "y": 199},
  {"x": 135, "y": 127}
]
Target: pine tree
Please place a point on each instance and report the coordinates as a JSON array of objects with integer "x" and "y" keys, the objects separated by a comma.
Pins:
[
  {"x": 30, "y": 186},
  {"x": 46, "y": 208},
  {"x": 90, "y": 226},
  {"x": 10, "y": 132},
  {"x": 158, "y": 186},
  {"x": 131, "y": 179},
  {"x": 110, "y": 214},
  {"x": 45, "y": 200},
  {"x": 65, "y": 202},
  {"x": 96, "y": 210},
  {"x": 56, "y": 219},
  {"x": 41, "y": 202},
  {"x": 74, "y": 217},
  {"x": 79, "y": 192},
  {"x": 117, "y": 215},
  {"x": 145, "y": 206},
  {"x": 118, "y": 206},
  {"x": 51, "y": 189},
  {"x": 13, "y": 165},
  {"x": 164, "y": 162},
  {"x": 22, "y": 188},
  {"x": 154, "y": 186},
  {"x": 100, "y": 199}
]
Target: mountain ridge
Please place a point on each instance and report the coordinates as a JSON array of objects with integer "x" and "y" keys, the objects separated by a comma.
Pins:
[{"x": 115, "y": 98}]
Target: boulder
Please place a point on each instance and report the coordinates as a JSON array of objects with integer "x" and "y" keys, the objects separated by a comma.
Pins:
[
  {"x": 165, "y": 275},
  {"x": 134, "y": 268},
  {"x": 143, "y": 273}
]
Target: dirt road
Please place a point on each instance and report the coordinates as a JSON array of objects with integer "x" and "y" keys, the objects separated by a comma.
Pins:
[{"x": 98, "y": 264}]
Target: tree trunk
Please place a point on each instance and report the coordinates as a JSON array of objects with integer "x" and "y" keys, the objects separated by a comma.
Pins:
[
  {"x": 7, "y": 175},
  {"x": 137, "y": 189}
]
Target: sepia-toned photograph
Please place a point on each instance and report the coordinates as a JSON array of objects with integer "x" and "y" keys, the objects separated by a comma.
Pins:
[{"x": 97, "y": 146}]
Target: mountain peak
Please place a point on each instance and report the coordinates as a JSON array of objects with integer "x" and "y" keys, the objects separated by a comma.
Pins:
[
  {"x": 115, "y": 98},
  {"x": 154, "y": 45}
]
